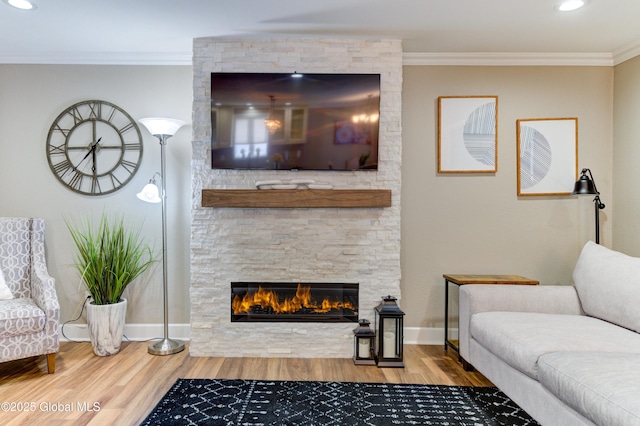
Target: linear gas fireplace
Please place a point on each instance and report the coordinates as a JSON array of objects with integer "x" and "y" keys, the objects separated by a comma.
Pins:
[{"x": 294, "y": 302}]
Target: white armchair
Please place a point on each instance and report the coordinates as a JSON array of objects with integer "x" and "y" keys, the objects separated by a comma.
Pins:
[{"x": 29, "y": 320}]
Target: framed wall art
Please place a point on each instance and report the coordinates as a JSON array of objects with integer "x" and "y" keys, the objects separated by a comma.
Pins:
[
  {"x": 547, "y": 155},
  {"x": 467, "y": 134}
]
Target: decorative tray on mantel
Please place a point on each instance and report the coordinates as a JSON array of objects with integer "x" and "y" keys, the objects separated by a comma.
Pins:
[{"x": 293, "y": 184}]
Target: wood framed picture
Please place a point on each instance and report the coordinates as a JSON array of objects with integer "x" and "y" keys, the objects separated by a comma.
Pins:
[
  {"x": 547, "y": 155},
  {"x": 467, "y": 134}
]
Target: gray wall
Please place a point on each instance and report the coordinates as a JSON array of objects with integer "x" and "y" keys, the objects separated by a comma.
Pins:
[
  {"x": 450, "y": 223},
  {"x": 626, "y": 156},
  {"x": 31, "y": 98},
  {"x": 476, "y": 224}
]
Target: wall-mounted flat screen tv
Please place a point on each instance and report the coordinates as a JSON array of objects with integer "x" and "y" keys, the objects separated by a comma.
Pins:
[{"x": 277, "y": 121}]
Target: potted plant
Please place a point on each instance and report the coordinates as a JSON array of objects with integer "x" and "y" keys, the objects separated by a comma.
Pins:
[{"x": 109, "y": 257}]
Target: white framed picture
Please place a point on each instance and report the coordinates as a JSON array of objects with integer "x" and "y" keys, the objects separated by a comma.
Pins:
[{"x": 547, "y": 155}]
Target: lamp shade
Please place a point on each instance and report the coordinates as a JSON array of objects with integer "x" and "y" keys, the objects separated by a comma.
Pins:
[
  {"x": 149, "y": 194},
  {"x": 161, "y": 126},
  {"x": 21, "y": 4},
  {"x": 584, "y": 186}
]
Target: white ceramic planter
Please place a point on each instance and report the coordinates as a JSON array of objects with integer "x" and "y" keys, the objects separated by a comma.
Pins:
[{"x": 106, "y": 326}]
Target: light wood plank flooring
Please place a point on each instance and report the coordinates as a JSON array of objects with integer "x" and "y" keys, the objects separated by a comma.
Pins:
[{"x": 125, "y": 387}]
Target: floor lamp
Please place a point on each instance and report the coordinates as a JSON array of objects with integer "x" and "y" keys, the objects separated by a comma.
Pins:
[
  {"x": 163, "y": 129},
  {"x": 586, "y": 185}
]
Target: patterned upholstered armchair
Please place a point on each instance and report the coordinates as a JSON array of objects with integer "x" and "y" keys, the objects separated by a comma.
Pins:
[{"x": 29, "y": 320}]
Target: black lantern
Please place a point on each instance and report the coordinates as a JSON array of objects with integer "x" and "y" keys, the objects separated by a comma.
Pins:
[
  {"x": 364, "y": 344},
  {"x": 389, "y": 329}
]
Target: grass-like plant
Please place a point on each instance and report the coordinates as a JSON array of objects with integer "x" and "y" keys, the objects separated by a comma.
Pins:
[{"x": 109, "y": 257}]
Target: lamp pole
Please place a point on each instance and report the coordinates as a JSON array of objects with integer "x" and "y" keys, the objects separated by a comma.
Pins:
[
  {"x": 166, "y": 346},
  {"x": 598, "y": 205},
  {"x": 163, "y": 129}
]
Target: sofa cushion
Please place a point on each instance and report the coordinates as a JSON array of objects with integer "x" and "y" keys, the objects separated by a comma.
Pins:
[
  {"x": 20, "y": 316},
  {"x": 608, "y": 284},
  {"x": 603, "y": 387},
  {"x": 520, "y": 338}
]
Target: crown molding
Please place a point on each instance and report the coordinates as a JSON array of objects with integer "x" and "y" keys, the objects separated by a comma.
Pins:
[
  {"x": 627, "y": 52},
  {"x": 98, "y": 58},
  {"x": 409, "y": 58},
  {"x": 509, "y": 59}
]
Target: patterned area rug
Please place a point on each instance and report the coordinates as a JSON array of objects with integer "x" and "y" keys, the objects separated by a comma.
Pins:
[{"x": 264, "y": 402}]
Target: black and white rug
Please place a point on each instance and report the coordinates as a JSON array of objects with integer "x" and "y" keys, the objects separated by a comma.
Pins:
[{"x": 276, "y": 403}]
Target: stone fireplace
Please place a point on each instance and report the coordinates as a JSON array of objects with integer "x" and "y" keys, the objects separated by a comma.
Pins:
[{"x": 296, "y": 244}]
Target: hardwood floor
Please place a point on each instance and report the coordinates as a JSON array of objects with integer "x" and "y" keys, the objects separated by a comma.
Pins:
[{"x": 122, "y": 389}]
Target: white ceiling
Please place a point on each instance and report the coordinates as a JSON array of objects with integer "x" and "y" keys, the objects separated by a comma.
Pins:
[{"x": 161, "y": 31}]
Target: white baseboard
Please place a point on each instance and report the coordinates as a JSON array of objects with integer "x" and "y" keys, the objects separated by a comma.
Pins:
[
  {"x": 427, "y": 336},
  {"x": 133, "y": 332},
  {"x": 142, "y": 332}
]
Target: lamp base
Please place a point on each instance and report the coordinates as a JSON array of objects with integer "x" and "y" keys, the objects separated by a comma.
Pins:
[{"x": 166, "y": 347}]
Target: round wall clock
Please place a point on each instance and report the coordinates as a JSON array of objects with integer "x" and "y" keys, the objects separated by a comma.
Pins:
[{"x": 94, "y": 147}]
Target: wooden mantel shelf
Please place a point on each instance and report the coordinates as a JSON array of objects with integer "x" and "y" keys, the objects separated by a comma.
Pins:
[{"x": 296, "y": 198}]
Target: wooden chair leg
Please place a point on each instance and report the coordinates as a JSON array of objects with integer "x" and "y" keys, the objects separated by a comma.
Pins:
[{"x": 51, "y": 363}]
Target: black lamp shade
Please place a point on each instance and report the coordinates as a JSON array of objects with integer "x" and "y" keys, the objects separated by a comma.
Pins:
[{"x": 584, "y": 186}]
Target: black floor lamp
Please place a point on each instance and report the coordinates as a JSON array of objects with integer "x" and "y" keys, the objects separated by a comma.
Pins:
[{"x": 586, "y": 185}]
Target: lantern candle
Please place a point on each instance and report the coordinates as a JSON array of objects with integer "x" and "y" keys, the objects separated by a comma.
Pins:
[
  {"x": 389, "y": 339},
  {"x": 364, "y": 346}
]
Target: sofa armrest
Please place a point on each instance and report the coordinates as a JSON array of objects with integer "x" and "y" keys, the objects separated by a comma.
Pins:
[{"x": 512, "y": 298}]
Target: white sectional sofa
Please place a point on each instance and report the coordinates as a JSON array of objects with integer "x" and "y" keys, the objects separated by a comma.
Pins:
[{"x": 568, "y": 355}]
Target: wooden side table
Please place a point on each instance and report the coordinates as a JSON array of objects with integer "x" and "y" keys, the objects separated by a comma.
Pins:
[{"x": 461, "y": 279}]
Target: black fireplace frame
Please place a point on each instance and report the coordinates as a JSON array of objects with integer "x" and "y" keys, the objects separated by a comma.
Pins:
[{"x": 350, "y": 292}]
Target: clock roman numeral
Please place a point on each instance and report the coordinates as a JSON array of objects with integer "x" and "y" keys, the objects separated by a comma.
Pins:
[
  {"x": 95, "y": 110},
  {"x": 76, "y": 114},
  {"x": 126, "y": 128},
  {"x": 95, "y": 185},
  {"x": 62, "y": 168},
  {"x": 132, "y": 146},
  {"x": 56, "y": 149},
  {"x": 129, "y": 166},
  {"x": 114, "y": 180},
  {"x": 111, "y": 114},
  {"x": 76, "y": 179},
  {"x": 65, "y": 132}
]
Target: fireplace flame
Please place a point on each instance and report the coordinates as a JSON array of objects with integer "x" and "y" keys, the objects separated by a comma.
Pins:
[{"x": 269, "y": 299}]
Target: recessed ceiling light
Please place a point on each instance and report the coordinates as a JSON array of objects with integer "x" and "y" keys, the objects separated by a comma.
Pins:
[
  {"x": 569, "y": 5},
  {"x": 21, "y": 4}
]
